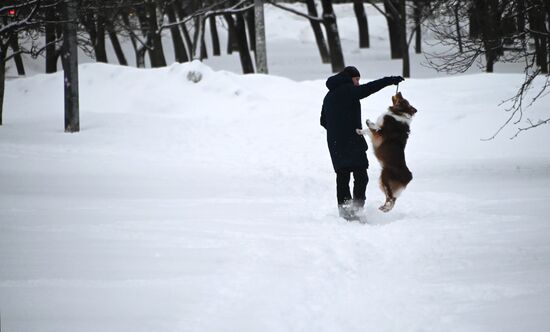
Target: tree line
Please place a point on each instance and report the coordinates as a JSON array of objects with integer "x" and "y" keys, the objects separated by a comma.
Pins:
[
  {"x": 470, "y": 30},
  {"x": 38, "y": 28}
]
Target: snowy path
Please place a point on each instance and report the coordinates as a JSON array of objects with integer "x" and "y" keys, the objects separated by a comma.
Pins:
[{"x": 444, "y": 260}]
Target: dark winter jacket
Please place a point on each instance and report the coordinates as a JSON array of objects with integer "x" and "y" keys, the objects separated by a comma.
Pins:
[{"x": 341, "y": 116}]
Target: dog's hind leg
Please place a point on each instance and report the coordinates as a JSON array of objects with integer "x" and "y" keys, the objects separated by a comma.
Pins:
[
  {"x": 385, "y": 184},
  {"x": 388, "y": 205}
]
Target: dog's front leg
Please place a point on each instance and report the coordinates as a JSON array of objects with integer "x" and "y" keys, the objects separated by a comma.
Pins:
[{"x": 372, "y": 128}]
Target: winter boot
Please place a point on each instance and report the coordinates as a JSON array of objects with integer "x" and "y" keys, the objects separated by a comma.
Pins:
[{"x": 347, "y": 211}]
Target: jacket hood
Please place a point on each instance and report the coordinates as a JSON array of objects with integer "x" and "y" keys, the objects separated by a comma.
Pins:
[{"x": 337, "y": 80}]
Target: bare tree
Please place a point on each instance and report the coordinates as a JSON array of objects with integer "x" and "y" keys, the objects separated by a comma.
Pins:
[
  {"x": 143, "y": 22},
  {"x": 486, "y": 32},
  {"x": 16, "y": 17}
]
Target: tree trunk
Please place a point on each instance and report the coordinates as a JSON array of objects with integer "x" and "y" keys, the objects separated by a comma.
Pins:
[
  {"x": 179, "y": 48},
  {"x": 140, "y": 56},
  {"x": 329, "y": 21},
  {"x": 547, "y": 5},
  {"x": 100, "y": 53},
  {"x": 244, "y": 52},
  {"x": 537, "y": 19},
  {"x": 14, "y": 44},
  {"x": 488, "y": 28},
  {"x": 232, "y": 42},
  {"x": 90, "y": 25},
  {"x": 362, "y": 23},
  {"x": 544, "y": 55},
  {"x": 181, "y": 16},
  {"x": 2, "y": 88},
  {"x": 187, "y": 37},
  {"x": 199, "y": 49},
  {"x": 417, "y": 26},
  {"x": 70, "y": 67},
  {"x": 3, "y": 55},
  {"x": 403, "y": 39},
  {"x": 497, "y": 27},
  {"x": 51, "y": 49},
  {"x": 154, "y": 37},
  {"x": 474, "y": 22},
  {"x": 116, "y": 46},
  {"x": 318, "y": 32},
  {"x": 215, "y": 38},
  {"x": 457, "y": 24},
  {"x": 204, "y": 52},
  {"x": 196, "y": 38},
  {"x": 261, "y": 52},
  {"x": 489, "y": 67},
  {"x": 393, "y": 28},
  {"x": 251, "y": 25},
  {"x": 111, "y": 32},
  {"x": 138, "y": 50},
  {"x": 521, "y": 18}
]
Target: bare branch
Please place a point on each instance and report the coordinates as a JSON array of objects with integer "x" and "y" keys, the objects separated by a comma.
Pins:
[
  {"x": 372, "y": 3},
  {"x": 296, "y": 12},
  {"x": 207, "y": 12}
]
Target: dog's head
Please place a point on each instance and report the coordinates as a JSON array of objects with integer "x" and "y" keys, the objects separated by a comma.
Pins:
[{"x": 401, "y": 106}]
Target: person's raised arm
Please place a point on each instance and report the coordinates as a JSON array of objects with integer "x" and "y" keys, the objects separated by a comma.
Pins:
[{"x": 365, "y": 90}]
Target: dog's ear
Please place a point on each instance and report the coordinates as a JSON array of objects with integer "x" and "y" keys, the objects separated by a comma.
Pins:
[{"x": 396, "y": 98}]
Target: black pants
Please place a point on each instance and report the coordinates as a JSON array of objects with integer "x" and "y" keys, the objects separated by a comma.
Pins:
[{"x": 360, "y": 180}]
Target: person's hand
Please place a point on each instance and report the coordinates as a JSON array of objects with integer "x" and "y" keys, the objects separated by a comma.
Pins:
[{"x": 396, "y": 79}]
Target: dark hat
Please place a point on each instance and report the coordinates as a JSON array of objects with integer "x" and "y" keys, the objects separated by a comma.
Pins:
[{"x": 351, "y": 71}]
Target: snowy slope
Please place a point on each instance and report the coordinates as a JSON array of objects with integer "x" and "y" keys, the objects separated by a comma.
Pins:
[{"x": 210, "y": 206}]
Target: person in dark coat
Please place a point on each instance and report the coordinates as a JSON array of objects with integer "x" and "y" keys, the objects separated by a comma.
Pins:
[{"x": 341, "y": 116}]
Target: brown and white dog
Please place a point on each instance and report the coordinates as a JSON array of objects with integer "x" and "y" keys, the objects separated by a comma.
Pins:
[{"x": 389, "y": 137}]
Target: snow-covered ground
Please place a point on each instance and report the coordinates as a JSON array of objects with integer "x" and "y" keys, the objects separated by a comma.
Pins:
[{"x": 210, "y": 206}]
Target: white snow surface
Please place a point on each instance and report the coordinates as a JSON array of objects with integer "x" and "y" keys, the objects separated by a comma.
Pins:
[{"x": 211, "y": 206}]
